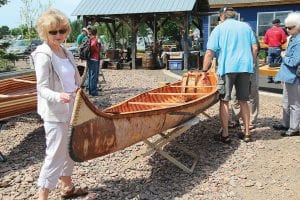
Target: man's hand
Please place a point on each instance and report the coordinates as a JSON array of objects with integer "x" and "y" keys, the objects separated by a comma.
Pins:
[{"x": 204, "y": 73}]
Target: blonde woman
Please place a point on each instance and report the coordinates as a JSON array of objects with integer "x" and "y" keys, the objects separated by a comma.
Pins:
[{"x": 57, "y": 82}]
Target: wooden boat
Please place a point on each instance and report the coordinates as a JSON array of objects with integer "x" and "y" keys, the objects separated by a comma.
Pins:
[
  {"x": 17, "y": 95},
  {"x": 94, "y": 133},
  {"x": 265, "y": 70}
]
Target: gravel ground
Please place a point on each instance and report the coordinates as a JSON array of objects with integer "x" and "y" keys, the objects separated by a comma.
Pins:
[{"x": 266, "y": 168}]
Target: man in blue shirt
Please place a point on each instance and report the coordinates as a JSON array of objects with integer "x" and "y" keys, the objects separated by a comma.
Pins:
[{"x": 235, "y": 43}]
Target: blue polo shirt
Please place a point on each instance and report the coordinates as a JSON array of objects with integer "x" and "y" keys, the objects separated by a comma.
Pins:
[{"x": 233, "y": 41}]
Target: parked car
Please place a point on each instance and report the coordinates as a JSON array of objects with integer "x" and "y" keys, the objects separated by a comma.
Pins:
[
  {"x": 74, "y": 49},
  {"x": 22, "y": 48},
  {"x": 19, "y": 48},
  {"x": 33, "y": 44}
]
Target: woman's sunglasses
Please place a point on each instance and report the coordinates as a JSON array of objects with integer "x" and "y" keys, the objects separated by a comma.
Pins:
[
  {"x": 289, "y": 27},
  {"x": 61, "y": 31}
]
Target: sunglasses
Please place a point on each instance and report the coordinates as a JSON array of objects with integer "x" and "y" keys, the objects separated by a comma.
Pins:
[
  {"x": 289, "y": 27},
  {"x": 61, "y": 31}
]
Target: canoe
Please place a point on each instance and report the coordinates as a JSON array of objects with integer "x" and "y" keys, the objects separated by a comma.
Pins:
[
  {"x": 17, "y": 95},
  {"x": 265, "y": 70},
  {"x": 94, "y": 133}
]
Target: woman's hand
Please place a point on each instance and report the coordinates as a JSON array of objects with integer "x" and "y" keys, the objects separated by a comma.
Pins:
[{"x": 64, "y": 97}]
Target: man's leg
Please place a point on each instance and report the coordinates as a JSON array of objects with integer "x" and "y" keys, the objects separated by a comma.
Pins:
[
  {"x": 224, "y": 115},
  {"x": 245, "y": 116},
  {"x": 235, "y": 106},
  {"x": 271, "y": 62},
  {"x": 242, "y": 85},
  {"x": 277, "y": 55},
  {"x": 254, "y": 97}
]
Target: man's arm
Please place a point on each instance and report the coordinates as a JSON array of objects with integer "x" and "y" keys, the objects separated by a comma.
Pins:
[
  {"x": 209, "y": 54},
  {"x": 254, "y": 52}
]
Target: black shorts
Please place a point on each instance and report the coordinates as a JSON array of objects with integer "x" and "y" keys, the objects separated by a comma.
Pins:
[{"x": 241, "y": 82}]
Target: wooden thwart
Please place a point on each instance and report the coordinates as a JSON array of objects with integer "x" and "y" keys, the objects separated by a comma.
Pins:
[{"x": 165, "y": 138}]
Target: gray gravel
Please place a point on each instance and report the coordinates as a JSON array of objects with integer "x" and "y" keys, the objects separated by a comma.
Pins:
[{"x": 266, "y": 168}]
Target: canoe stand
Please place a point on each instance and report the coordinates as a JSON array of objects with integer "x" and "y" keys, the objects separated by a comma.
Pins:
[{"x": 166, "y": 137}]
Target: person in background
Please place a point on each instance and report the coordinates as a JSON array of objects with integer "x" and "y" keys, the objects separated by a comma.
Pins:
[
  {"x": 57, "y": 81},
  {"x": 291, "y": 80},
  {"x": 232, "y": 39},
  {"x": 82, "y": 35},
  {"x": 274, "y": 38},
  {"x": 93, "y": 63},
  {"x": 253, "y": 99}
]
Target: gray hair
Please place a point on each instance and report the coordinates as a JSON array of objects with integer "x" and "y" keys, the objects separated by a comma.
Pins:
[
  {"x": 229, "y": 14},
  {"x": 293, "y": 19}
]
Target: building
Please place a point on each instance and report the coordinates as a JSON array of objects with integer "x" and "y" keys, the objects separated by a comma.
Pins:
[{"x": 258, "y": 13}]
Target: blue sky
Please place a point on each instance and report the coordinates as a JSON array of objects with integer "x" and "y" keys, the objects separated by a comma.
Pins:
[{"x": 10, "y": 13}]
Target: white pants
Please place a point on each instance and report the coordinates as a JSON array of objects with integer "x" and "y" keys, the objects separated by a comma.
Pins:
[
  {"x": 57, "y": 161},
  {"x": 291, "y": 106}
]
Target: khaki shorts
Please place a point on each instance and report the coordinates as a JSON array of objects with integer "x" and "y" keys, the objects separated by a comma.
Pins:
[{"x": 241, "y": 82}]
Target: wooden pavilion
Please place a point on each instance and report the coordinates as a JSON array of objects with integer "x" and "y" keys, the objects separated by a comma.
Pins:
[{"x": 115, "y": 13}]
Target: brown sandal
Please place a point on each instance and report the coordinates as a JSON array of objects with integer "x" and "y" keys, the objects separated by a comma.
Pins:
[{"x": 73, "y": 192}]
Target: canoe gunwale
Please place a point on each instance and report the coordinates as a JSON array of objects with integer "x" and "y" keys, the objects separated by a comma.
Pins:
[{"x": 163, "y": 110}]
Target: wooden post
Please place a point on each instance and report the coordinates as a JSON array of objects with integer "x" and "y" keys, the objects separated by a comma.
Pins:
[
  {"x": 185, "y": 43},
  {"x": 134, "y": 28}
]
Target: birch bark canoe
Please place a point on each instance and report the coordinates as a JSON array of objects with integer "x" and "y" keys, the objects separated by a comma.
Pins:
[{"x": 94, "y": 133}]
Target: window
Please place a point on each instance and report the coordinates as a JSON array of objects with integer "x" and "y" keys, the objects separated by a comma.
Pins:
[
  {"x": 264, "y": 20},
  {"x": 213, "y": 22}
]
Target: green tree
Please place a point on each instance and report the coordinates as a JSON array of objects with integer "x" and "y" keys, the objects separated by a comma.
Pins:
[
  {"x": 143, "y": 30},
  {"x": 3, "y": 2},
  {"x": 170, "y": 30},
  {"x": 16, "y": 31},
  {"x": 29, "y": 13},
  {"x": 76, "y": 27},
  {"x": 4, "y": 30}
]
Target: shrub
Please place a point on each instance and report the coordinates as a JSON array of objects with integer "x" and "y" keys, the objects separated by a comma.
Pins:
[{"x": 6, "y": 65}]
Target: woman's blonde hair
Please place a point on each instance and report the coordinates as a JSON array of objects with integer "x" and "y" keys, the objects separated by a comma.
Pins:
[{"x": 52, "y": 19}]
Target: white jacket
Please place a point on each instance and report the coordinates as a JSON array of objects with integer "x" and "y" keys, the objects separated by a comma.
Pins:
[{"x": 49, "y": 84}]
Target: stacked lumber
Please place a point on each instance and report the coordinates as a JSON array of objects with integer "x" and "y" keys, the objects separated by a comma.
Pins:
[{"x": 17, "y": 95}]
